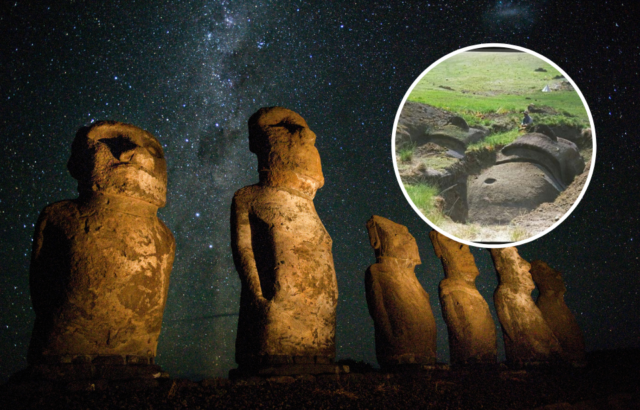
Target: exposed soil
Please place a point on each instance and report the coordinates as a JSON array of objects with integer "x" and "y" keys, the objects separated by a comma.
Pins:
[
  {"x": 549, "y": 213},
  {"x": 610, "y": 381}
]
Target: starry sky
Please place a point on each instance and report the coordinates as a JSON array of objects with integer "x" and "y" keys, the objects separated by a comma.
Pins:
[{"x": 192, "y": 72}]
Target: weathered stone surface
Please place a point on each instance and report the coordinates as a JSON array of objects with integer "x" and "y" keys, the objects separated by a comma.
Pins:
[
  {"x": 527, "y": 336},
  {"x": 472, "y": 333},
  {"x": 281, "y": 250},
  {"x": 530, "y": 171},
  {"x": 508, "y": 190},
  {"x": 405, "y": 329},
  {"x": 556, "y": 312},
  {"x": 421, "y": 123},
  {"x": 100, "y": 264},
  {"x": 559, "y": 156}
]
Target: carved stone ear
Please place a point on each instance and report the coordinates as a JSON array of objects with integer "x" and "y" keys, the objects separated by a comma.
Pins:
[{"x": 78, "y": 164}]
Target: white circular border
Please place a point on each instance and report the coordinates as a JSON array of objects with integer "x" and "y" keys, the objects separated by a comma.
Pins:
[{"x": 480, "y": 244}]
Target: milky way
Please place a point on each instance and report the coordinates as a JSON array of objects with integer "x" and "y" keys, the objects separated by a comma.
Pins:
[{"x": 193, "y": 72}]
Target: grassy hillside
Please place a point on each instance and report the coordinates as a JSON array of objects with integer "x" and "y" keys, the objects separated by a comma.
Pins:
[{"x": 493, "y": 82}]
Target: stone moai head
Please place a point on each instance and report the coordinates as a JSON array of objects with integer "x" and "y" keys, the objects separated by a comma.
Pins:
[
  {"x": 392, "y": 240},
  {"x": 513, "y": 270},
  {"x": 547, "y": 278},
  {"x": 456, "y": 257},
  {"x": 114, "y": 158},
  {"x": 287, "y": 156}
]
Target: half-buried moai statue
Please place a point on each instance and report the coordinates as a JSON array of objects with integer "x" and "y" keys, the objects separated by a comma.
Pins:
[
  {"x": 556, "y": 312},
  {"x": 472, "y": 332},
  {"x": 528, "y": 339},
  {"x": 282, "y": 251},
  {"x": 405, "y": 329},
  {"x": 100, "y": 264}
]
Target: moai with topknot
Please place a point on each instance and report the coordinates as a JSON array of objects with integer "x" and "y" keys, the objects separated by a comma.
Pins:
[
  {"x": 282, "y": 253},
  {"x": 472, "y": 332},
  {"x": 100, "y": 265},
  {"x": 405, "y": 329}
]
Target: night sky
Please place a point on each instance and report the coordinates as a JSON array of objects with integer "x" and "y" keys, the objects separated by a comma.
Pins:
[{"x": 192, "y": 72}]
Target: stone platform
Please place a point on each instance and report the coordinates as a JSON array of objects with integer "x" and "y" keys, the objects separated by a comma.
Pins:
[{"x": 90, "y": 373}]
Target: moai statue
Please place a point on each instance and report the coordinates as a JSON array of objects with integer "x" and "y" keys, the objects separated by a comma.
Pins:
[
  {"x": 282, "y": 252},
  {"x": 472, "y": 332},
  {"x": 405, "y": 328},
  {"x": 556, "y": 312},
  {"x": 528, "y": 338},
  {"x": 100, "y": 264}
]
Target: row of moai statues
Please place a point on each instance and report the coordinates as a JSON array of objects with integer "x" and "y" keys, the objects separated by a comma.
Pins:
[
  {"x": 101, "y": 263},
  {"x": 538, "y": 332}
]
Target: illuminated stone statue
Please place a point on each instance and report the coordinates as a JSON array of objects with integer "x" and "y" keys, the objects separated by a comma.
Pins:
[
  {"x": 527, "y": 336},
  {"x": 405, "y": 328},
  {"x": 100, "y": 264},
  {"x": 281, "y": 249},
  {"x": 472, "y": 332},
  {"x": 556, "y": 312}
]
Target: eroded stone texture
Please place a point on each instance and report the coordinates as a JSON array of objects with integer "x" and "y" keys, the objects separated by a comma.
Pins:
[
  {"x": 281, "y": 249},
  {"x": 557, "y": 155},
  {"x": 100, "y": 264},
  {"x": 508, "y": 190},
  {"x": 527, "y": 336},
  {"x": 530, "y": 171},
  {"x": 556, "y": 312},
  {"x": 472, "y": 332},
  {"x": 405, "y": 329}
]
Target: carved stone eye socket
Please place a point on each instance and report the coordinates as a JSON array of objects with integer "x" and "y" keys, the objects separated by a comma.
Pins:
[
  {"x": 119, "y": 145},
  {"x": 291, "y": 127},
  {"x": 154, "y": 150}
]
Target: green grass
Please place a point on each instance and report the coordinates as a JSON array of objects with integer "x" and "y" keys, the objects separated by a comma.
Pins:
[
  {"x": 405, "y": 154},
  {"x": 494, "y": 83},
  {"x": 518, "y": 233},
  {"x": 439, "y": 162},
  {"x": 495, "y": 139},
  {"x": 422, "y": 195}
]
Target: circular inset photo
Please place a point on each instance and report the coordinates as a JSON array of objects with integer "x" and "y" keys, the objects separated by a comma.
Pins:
[{"x": 494, "y": 145}]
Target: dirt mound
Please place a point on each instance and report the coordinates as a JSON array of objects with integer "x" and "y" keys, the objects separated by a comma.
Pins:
[{"x": 550, "y": 212}]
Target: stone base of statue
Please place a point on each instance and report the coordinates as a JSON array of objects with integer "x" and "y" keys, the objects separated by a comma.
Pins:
[
  {"x": 413, "y": 367},
  {"x": 76, "y": 373},
  {"x": 270, "y": 366}
]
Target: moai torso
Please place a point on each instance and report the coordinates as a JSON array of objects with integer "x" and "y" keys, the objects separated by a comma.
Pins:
[
  {"x": 556, "y": 312},
  {"x": 405, "y": 329},
  {"x": 472, "y": 332},
  {"x": 282, "y": 250},
  {"x": 527, "y": 336},
  {"x": 100, "y": 265}
]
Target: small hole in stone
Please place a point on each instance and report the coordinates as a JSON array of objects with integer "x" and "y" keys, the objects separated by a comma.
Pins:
[{"x": 489, "y": 181}]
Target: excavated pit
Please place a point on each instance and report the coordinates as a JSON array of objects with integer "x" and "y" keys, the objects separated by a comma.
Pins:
[{"x": 489, "y": 186}]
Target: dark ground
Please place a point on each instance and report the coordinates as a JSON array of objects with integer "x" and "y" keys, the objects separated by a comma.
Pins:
[{"x": 610, "y": 381}]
